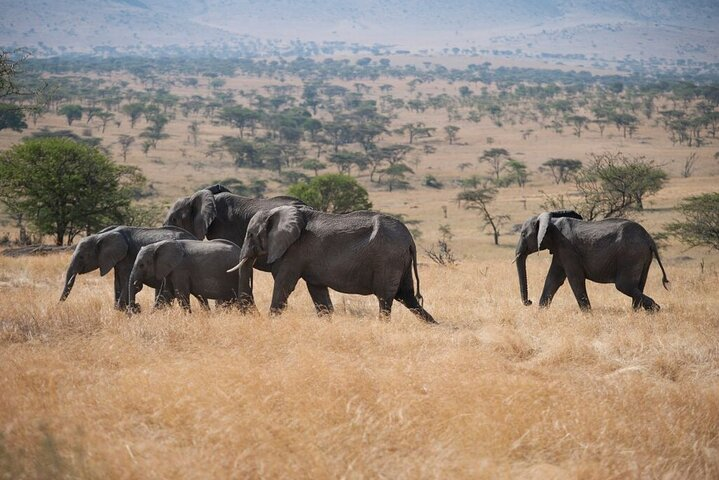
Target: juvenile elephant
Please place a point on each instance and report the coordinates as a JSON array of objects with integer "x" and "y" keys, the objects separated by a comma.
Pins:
[
  {"x": 116, "y": 247},
  {"x": 606, "y": 251},
  {"x": 189, "y": 267},
  {"x": 216, "y": 213},
  {"x": 361, "y": 252}
]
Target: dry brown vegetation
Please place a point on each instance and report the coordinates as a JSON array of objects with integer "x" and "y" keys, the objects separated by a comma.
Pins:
[{"x": 497, "y": 390}]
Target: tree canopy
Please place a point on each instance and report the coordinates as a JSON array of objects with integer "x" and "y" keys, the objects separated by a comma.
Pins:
[
  {"x": 63, "y": 187},
  {"x": 700, "y": 226},
  {"x": 332, "y": 192},
  {"x": 614, "y": 184}
]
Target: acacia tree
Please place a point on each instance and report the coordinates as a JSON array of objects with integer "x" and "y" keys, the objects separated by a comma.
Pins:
[
  {"x": 562, "y": 169},
  {"x": 497, "y": 159},
  {"x": 479, "y": 199},
  {"x": 239, "y": 117},
  {"x": 72, "y": 112},
  {"x": 415, "y": 131},
  {"x": 700, "y": 226},
  {"x": 614, "y": 184},
  {"x": 64, "y": 187},
  {"x": 517, "y": 173},
  {"x": 125, "y": 141},
  {"x": 12, "y": 117},
  {"x": 134, "y": 111},
  {"x": 579, "y": 123},
  {"x": 451, "y": 131},
  {"x": 395, "y": 175}
]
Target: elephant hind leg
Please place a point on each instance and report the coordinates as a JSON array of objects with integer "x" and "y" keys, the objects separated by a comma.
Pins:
[
  {"x": 385, "y": 306},
  {"x": 639, "y": 300},
  {"x": 405, "y": 295}
]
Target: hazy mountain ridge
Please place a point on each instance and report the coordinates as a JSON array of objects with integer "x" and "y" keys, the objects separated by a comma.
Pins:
[{"x": 424, "y": 24}]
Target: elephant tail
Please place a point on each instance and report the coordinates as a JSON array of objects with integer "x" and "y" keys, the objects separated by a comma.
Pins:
[
  {"x": 413, "y": 252},
  {"x": 665, "y": 280}
]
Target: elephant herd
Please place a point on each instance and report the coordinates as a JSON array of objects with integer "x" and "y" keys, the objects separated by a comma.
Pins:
[{"x": 364, "y": 253}]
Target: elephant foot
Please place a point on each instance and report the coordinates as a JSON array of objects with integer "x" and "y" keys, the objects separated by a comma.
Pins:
[
  {"x": 133, "y": 309},
  {"x": 527, "y": 303}
]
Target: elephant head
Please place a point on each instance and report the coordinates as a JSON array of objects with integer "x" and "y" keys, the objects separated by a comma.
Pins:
[
  {"x": 154, "y": 262},
  {"x": 194, "y": 213},
  {"x": 532, "y": 238},
  {"x": 102, "y": 250},
  {"x": 270, "y": 233}
]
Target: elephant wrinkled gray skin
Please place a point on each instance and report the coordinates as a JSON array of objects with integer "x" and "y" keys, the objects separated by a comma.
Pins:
[
  {"x": 116, "y": 247},
  {"x": 216, "y": 213},
  {"x": 606, "y": 251},
  {"x": 361, "y": 252},
  {"x": 190, "y": 267}
]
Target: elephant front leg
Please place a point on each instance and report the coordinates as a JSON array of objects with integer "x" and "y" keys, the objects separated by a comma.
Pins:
[
  {"x": 555, "y": 279},
  {"x": 184, "y": 300},
  {"x": 163, "y": 296},
  {"x": 122, "y": 276},
  {"x": 245, "y": 297},
  {"x": 321, "y": 298},
  {"x": 284, "y": 286}
]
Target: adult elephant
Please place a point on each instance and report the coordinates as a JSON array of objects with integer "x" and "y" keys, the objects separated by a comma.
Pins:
[
  {"x": 116, "y": 248},
  {"x": 365, "y": 253},
  {"x": 607, "y": 251},
  {"x": 217, "y": 213}
]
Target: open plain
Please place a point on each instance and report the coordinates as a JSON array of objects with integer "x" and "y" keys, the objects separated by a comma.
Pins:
[{"x": 496, "y": 390}]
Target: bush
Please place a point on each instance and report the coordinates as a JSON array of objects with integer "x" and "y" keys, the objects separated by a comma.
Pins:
[
  {"x": 700, "y": 226},
  {"x": 332, "y": 192}
]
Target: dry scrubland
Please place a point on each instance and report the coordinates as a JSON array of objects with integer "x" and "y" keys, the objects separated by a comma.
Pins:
[{"x": 497, "y": 389}]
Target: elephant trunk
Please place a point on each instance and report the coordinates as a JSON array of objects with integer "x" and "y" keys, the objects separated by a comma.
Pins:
[
  {"x": 522, "y": 273},
  {"x": 69, "y": 280},
  {"x": 134, "y": 286}
]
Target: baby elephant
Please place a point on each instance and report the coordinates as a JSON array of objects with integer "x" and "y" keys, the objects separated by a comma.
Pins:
[
  {"x": 361, "y": 252},
  {"x": 190, "y": 267}
]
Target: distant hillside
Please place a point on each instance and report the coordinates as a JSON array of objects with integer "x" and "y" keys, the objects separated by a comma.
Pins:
[{"x": 670, "y": 27}]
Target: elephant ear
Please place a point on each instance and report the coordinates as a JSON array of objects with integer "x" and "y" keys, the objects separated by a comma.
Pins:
[
  {"x": 204, "y": 212},
  {"x": 284, "y": 226},
  {"x": 166, "y": 257},
  {"x": 543, "y": 225},
  {"x": 566, "y": 213},
  {"x": 111, "y": 248}
]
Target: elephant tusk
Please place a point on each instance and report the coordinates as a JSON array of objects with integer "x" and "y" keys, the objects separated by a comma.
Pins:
[
  {"x": 515, "y": 259},
  {"x": 238, "y": 266}
]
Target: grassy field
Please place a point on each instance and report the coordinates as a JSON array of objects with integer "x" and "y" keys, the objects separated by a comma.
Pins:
[{"x": 496, "y": 390}]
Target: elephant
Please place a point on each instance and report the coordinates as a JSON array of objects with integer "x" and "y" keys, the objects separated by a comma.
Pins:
[
  {"x": 216, "y": 213},
  {"x": 116, "y": 247},
  {"x": 360, "y": 252},
  {"x": 607, "y": 251},
  {"x": 190, "y": 267}
]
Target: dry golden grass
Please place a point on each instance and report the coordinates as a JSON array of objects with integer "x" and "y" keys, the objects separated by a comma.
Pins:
[{"x": 497, "y": 390}]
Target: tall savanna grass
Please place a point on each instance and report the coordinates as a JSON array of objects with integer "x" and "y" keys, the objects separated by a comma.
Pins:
[{"x": 496, "y": 390}]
